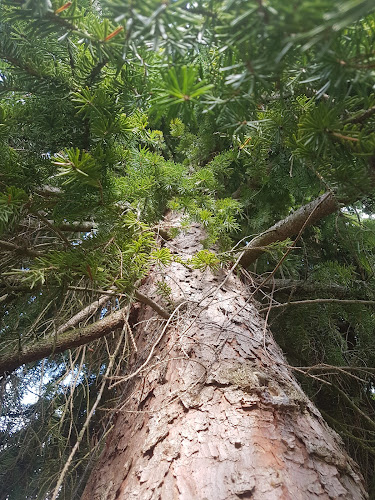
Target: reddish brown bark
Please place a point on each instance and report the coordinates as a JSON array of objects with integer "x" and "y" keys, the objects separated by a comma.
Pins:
[{"x": 217, "y": 414}]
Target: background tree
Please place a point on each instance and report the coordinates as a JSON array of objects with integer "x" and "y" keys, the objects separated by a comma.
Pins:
[{"x": 233, "y": 113}]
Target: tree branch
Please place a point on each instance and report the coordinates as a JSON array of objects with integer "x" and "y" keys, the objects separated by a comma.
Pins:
[
  {"x": 283, "y": 285},
  {"x": 56, "y": 344},
  {"x": 95, "y": 72},
  {"x": 11, "y": 247},
  {"x": 82, "y": 315},
  {"x": 53, "y": 228},
  {"x": 76, "y": 227},
  {"x": 138, "y": 295},
  {"x": 67, "y": 338},
  {"x": 319, "y": 301},
  {"x": 307, "y": 214},
  {"x": 146, "y": 300},
  {"x": 68, "y": 227},
  {"x": 361, "y": 117}
]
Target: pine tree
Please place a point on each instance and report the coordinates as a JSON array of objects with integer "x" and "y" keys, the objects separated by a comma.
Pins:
[{"x": 252, "y": 120}]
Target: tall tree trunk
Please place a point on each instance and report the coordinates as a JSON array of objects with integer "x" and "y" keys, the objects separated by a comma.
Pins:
[{"x": 216, "y": 413}]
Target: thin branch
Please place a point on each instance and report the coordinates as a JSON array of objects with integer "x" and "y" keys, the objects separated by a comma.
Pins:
[
  {"x": 308, "y": 214},
  {"x": 22, "y": 65},
  {"x": 96, "y": 71},
  {"x": 76, "y": 227},
  {"x": 138, "y": 295},
  {"x": 332, "y": 370},
  {"x": 144, "y": 365},
  {"x": 91, "y": 413},
  {"x": 350, "y": 435},
  {"x": 323, "y": 367},
  {"x": 319, "y": 301},
  {"x": 82, "y": 315},
  {"x": 146, "y": 300},
  {"x": 3, "y": 297},
  {"x": 54, "y": 229},
  {"x": 345, "y": 137},
  {"x": 68, "y": 227},
  {"x": 361, "y": 117},
  {"x": 11, "y": 247},
  {"x": 367, "y": 419}
]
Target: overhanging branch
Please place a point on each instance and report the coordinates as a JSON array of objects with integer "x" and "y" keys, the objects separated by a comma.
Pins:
[
  {"x": 11, "y": 247},
  {"x": 56, "y": 344},
  {"x": 82, "y": 315},
  {"x": 319, "y": 301},
  {"x": 359, "y": 288},
  {"x": 68, "y": 338},
  {"x": 138, "y": 295},
  {"x": 306, "y": 215}
]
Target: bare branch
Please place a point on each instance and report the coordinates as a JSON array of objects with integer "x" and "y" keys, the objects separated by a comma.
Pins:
[
  {"x": 67, "y": 338},
  {"x": 43, "y": 348},
  {"x": 82, "y": 315},
  {"x": 306, "y": 215},
  {"x": 76, "y": 227},
  {"x": 53, "y": 228},
  {"x": 319, "y": 301},
  {"x": 361, "y": 117},
  {"x": 11, "y": 247},
  {"x": 81, "y": 434},
  {"x": 68, "y": 227},
  {"x": 146, "y": 300},
  {"x": 138, "y": 295}
]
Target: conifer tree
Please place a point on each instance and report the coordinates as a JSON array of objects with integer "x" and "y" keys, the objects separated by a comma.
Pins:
[{"x": 252, "y": 120}]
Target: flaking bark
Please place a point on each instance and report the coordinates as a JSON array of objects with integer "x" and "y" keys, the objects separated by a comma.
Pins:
[{"x": 218, "y": 414}]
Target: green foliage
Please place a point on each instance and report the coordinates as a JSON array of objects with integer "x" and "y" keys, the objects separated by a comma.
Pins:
[
  {"x": 204, "y": 260},
  {"x": 234, "y": 113},
  {"x": 77, "y": 166},
  {"x": 177, "y": 127},
  {"x": 11, "y": 203},
  {"x": 180, "y": 90},
  {"x": 333, "y": 272},
  {"x": 164, "y": 290},
  {"x": 162, "y": 256}
]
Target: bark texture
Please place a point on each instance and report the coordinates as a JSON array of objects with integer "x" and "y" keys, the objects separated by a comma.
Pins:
[{"x": 217, "y": 414}]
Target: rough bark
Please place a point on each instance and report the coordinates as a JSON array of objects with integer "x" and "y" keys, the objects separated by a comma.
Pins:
[
  {"x": 217, "y": 414},
  {"x": 306, "y": 215}
]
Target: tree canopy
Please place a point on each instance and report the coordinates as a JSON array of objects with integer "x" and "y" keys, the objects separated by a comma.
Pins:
[{"x": 235, "y": 113}]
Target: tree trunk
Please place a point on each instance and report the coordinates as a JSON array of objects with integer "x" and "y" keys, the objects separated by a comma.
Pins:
[{"x": 217, "y": 413}]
